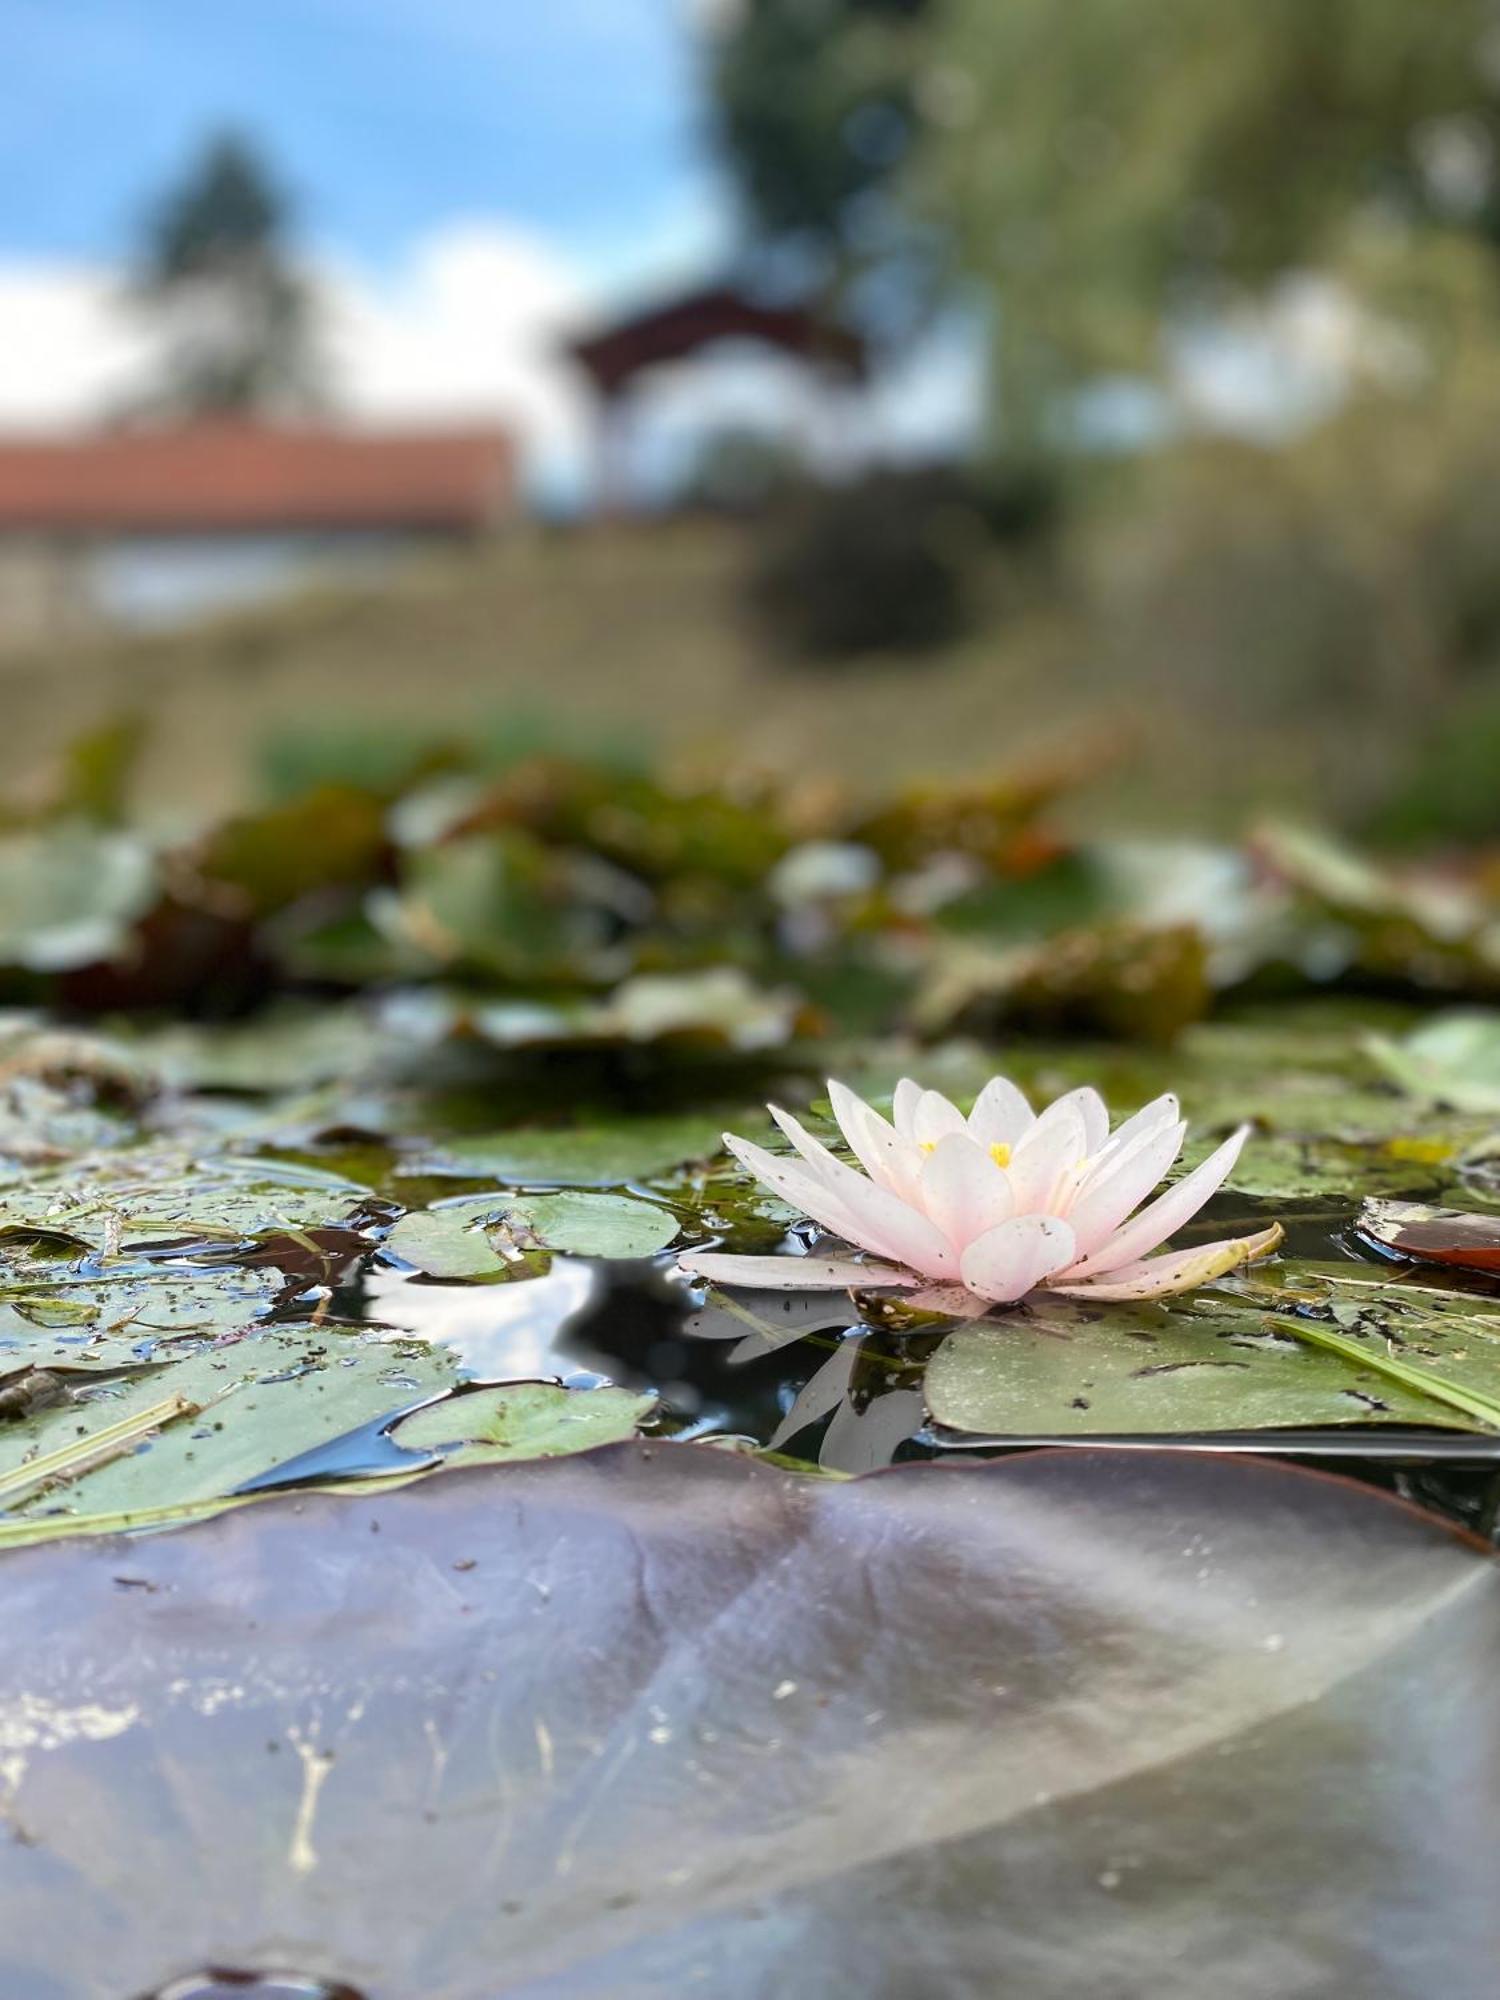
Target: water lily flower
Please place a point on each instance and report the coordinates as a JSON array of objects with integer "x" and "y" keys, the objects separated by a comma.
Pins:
[{"x": 967, "y": 1213}]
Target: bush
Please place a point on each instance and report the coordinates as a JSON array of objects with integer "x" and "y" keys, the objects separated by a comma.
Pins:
[
  {"x": 884, "y": 566},
  {"x": 1450, "y": 793}
]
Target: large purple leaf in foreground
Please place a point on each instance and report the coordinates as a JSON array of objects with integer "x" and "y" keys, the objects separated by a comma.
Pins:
[{"x": 665, "y": 1721}]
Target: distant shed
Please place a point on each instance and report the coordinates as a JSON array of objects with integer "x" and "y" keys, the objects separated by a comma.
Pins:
[
  {"x": 145, "y": 522},
  {"x": 613, "y": 357}
]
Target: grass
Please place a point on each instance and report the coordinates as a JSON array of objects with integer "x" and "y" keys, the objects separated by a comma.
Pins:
[{"x": 637, "y": 634}]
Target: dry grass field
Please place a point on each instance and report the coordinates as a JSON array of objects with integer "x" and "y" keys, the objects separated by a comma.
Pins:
[{"x": 638, "y": 635}]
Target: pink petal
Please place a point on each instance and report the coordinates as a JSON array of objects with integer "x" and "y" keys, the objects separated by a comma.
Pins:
[
  {"x": 1156, "y": 1222},
  {"x": 885, "y": 1156},
  {"x": 962, "y": 1190},
  {"x": 881, "y": 1220},
  {"x": 904, "y": 1102},
  {"x": 1114, "y": 1188},
  {"x": 1000, "y": 1115},
  {"x": 957, "y": 1301},
  {"x": 1164, "y": 1110},
  {"x": 1054, "y": 1144},
  {"x": 1006, "y": 1263},
  {"x": 791, "y": 1274},
  {"x": 935, "y": 1118},
  {"x": 796, "y": 1184},
  {"x": 1090, "y": 1107},
  {"x": 1180, "y": 1271}
]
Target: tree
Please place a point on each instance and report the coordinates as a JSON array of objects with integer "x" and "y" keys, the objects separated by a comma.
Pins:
[
  {"x": 215, "y": 273},
  {"x": 1123, "y": 163},
  {"x": 816, "y": 113},
  {"x": 1103, "y": 169}
]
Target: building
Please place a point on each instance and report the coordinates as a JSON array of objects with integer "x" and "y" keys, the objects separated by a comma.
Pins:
[
  {"x": 152, "y": 526},
  {"x": 617, "y": 358}
]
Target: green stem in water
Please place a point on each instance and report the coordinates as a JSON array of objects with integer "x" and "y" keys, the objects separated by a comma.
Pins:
[{"x": 1483, "y": 1410}]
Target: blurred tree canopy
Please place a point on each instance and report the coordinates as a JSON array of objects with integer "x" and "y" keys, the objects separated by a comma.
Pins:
[
  {"x": 215, "y": 271},
  {"x": 817, "y": 109},
  {"x": 1108, "y": 166}
]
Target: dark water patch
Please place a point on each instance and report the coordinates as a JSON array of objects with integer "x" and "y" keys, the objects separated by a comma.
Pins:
[{"x": 223, "y": 1983}]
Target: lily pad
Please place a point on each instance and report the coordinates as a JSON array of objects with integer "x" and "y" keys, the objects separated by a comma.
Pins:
[
  {"x": 1221, "y": 1361},
  {"x": 69, "y": 895},
  {"x": 1453, "y": 1059},
  {"x": 629, "y": 1724},
  {"x": 125, "y": 1320},
  {"x": 606, "y": 1153},
  {"x": 455, "y": 1241},
  {"x": 261, "y": 1402},
  {"x": 162, "y": 1195},
  {"x": 523, "y": 1420}
]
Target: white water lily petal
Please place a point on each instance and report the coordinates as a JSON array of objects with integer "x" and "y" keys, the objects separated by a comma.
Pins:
[
  {"x": 880, "y": 1149},
  {"x": 956, "y": 1229},
  {"x": 792, "y": 1274},
  {"x": 963, "y": 1191},
  {"x": 1111, "y": 1192},
  {"x": 1006, "y": 1263},
  {"x": 1091, "y": 1109},
  {"x": 1053, "y": 1145},
  {"x": 1161, "y": 1111},
  {"x": 904, "y": 1101},
  {"x": 796, "y": 1184},
  {"x": 957, "y": 1301},
  {"x": 882, "y": 1221},
  {"x": 935, "y": 1117},
  {"x": 1157, "y": 1221},
  {"x": 1001, "y": 1114},
  {"x": 1178, "y": 1271}
]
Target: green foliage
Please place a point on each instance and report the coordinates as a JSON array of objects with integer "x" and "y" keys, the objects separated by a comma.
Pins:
[
  {"x": 816, "y": 108},
  {"x": 880, "y": 567},
  {"x": 1114, "y": 162}
]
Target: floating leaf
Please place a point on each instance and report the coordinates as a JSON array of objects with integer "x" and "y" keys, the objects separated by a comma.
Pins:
[
  {"x": 454, "y": 1241},
  {"x": 1220, "y": 1361},
  {"x": 69, "y": 895},
  {"x": 124, "y": 1320},
  {"x": 1112, "y": 1706},
  {"x": 1433, "y": 1235},
  {"x": 162, "y": 1195},
  {"x": 605, "y": 1153},
  {"x": 1453, "y": 1059},
  {"x": 522, "y": 1420},
  {"x": 263, "y": 1401}
]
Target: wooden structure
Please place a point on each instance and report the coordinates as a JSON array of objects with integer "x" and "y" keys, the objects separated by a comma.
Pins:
[{"x": 615, "y": 356}]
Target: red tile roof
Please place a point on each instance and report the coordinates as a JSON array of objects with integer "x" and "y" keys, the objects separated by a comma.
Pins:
[{"x": 233, "y": 478}]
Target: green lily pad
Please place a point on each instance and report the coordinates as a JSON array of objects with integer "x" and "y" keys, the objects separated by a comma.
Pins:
[
  {"x": 603, "y": 1154},
  {"x": 123, "y": 1321},
  {"x": 1453, "y": 1059},
  {"x": 1217, "y": 1362},
  {"x": 455, "y": 1241},
  {"x": 69, "y": 894},
  {"x": 163, "y": 1195},
  {"x": 261, "y": 1402},
  {"x": 523, "y": 1420}
]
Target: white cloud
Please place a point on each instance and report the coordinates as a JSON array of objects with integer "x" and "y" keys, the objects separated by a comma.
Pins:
[
  {"x": 72, "y": 347},
  {"x": 467, "y": 328},
  {"x": 470, "y": 327}
]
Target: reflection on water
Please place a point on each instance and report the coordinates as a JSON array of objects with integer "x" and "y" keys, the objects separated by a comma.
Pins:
[
  {"x": 222, "y": 1983},
  {"x": 773, "y": 1374},
  {"x": 516, "y": 1332}
]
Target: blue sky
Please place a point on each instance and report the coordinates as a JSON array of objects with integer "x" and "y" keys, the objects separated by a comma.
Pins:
[{"x": 576, "y": 120}]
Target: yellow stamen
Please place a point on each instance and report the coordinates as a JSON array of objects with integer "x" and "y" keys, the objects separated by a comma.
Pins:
[
  {"x": 927, "y": 1145},
  {"x": 1000, "y": 1153}
]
